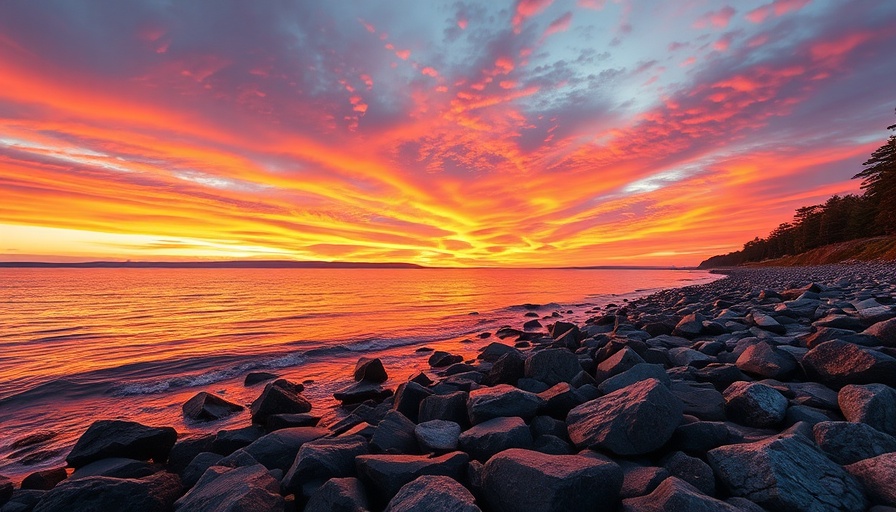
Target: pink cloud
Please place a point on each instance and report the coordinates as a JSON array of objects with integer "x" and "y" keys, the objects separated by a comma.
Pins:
[
  {"x": 777, "y": 7},
  {"x": 526, "y": 9},
  {"x": 429, "y": 71},
  {"x": 561, "y": 24},
  {"x": 592, "y": 4},
  {"x": 403, "y": 54},
  {"x": 718, "y": 19},
  {"x": 462, "y": 23}
]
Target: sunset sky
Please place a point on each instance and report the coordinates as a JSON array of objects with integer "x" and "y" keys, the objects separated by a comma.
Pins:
[{"x": 528, "y": 133}]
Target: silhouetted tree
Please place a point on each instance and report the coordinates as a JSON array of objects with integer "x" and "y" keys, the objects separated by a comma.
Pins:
[{"x": 879, "y": 182}]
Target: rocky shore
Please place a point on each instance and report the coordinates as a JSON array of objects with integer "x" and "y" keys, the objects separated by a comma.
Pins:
[{"x": 772, "y": 389}]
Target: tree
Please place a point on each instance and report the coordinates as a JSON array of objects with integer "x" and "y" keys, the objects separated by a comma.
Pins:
[{"x": 879, "y": 183}]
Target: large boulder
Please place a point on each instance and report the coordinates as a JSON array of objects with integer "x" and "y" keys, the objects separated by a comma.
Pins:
[
  {"x": 846, "y": 442},
  {"x": 873, "y": 404},
  {"x": 437, "y": 435},
  {"x": 502, "y": 400},
  {"x": 763, "y": 360},
  {"x": 431, "y": 493},
  {"x": 45, "y": 479},
  {"x": 117, "y": 467},
  {"x": 408, "y": 398},
  {"x": 207, "y": 407},
  {"x": 634, "y": 420},
  {"x": 6, "y": 489},
  {"x": 322, "y": 459},
  {"x": 617, "y": 363},
  {"x": 700, "y": 399},
  {"x": 389, "y": 473},
  {"x": 877, "y": 475},
  {"x": 637, "y": 373},
  {"x": 884, "y": 331},
  {"x": 279, "y": 397},
  {"x": 641, "y": 480},
  {"x": 450, "y": 407},
  {"x": 674, "y": 494},
  {"x": 552, "y": 366},
  {"x": 278, "y": 449},
  {"x": 524, "y": 480},
  {"x": 370, "y": 369},
  {"x": 97, "y": 493},
  {"x": 692, "y": 470},
  {"x": 690, "y": 326},
  {"x": 361, "y": 391},
  {"x": 838, "y": 363},
  {"x": 197, "y": 467},
  {"x": 242, "y": 489},
  {"x": 495, "y": 435},
  {"x": 339, "y": 495},
  {"x": 507, "y": 369},
  {"x": 116, "y": 438},
  {"x": 786, "y": 473},
  {"x": 755, "y": 405},
  {"x": 394, "y": 434}
]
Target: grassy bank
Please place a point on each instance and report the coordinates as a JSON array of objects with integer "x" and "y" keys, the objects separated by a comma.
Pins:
[{"x": 882, "y": 248}]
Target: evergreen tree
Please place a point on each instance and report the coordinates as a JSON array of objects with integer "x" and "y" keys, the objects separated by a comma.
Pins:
[{"x": 879, "y": 182}]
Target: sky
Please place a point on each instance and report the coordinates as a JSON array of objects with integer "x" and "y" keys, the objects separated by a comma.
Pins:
[{"x": 460, "y": 133}]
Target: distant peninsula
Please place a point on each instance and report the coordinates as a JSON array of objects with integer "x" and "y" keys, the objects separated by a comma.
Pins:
[{"x": 208, "y": 264}]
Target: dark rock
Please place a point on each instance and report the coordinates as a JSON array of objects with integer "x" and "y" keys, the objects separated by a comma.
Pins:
[
  {"x": 814, "y": 394},
  {"x": 494, "y": 351},
  {"x": 117, "y": 467},
  {"x": 459, "y": 368},
  {"x": 676, "y": 494},
  {"x": 763, "y": 360},
  {"x": 838, "y": 363},
  {"x": 152, "y": 494},
  {"x": 254, "y": 378},
  {"x": 877, "y": 477},
  {"x": 700, "y": 436},
  {"x": 21, "y": 500},
  {"x": 439, "y": 359},
  {"x": 683, "y": 356},
  {"x": 207, "y": 407},
  {"x": 808, "y": 415},
  {"x": 370, "y": 370},
  {"x": 559, "y": 399},
  {"x": 389, "y": 473},
  {"x": 525, "y": 480},
  {"x": 278, "y": 449},
  {"x": 786, "y": 473},
  {"x": 545, "y": 425},
  {"x": 840, "y": 322},
  {"x": 223, "y": 489},
  {"x": 767, "y": 323},
  {"x": 198, "y": 466},
  {"x": 229, "y": 441},
  {"x": 501, "y": 400},
  {"x": 823, "y": 334},
  {"x": 408, "y": 398},
  {"x": 237, "y": 459},
  {"x": 430, "y": 493},
  {"x": 6, "y": 489},
  {"x": 339, "y": 495},
  {"x": 720, "y": 375},
  {"x": 115, "y": 438},
  {"x": 700, "y": 400},
  {"x": 637, "y": 373},
  {"x": 421, "y": 378},
  {"x": 185, "y": 449},
  {"x": 617, "y": 363},
  {"x": 394, "y": 434},
  {"x": 531, "y": 385},
  {"x": 634, "y": 420},
  {"x": 450, "y": 407},
  {"x": 692, "y": 470},
  {"x": 846, "y": 442},
  {"x": 507, "y": 369},
  {"x": 884, "y": 331},
  {"x": 44, "y": 480},
  {"x": 361, "y": 391},
  {"x": 495, "y": 435},
  {"x": 322, "y": 459},
  {"x": 755, "y": 405},
  {"x": 532, "y": 325},
  {"x": 744, "y": 505},
  {"x": 552, "y": 366},
  {"x": 690, "y": 326},
  {"x": 873, "y": 404},
  {"x": 279, "y": 397},
  {"x": 279, "y": 421},
  {"x": 437, "y": 435},
  {"x": 552, "y": 445},
  {"x": 641, "y": 480}
]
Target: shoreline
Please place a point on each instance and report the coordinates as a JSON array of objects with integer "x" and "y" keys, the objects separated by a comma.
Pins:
[{"x": 555, "y": 394}]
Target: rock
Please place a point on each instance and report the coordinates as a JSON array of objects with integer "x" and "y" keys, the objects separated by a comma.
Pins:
[
  {"x": 185, "y": 449},
  {"x": 421, "y": 378},
  {"x": 763, "y": 360},
  {"x": 552, "y": 366},
  {"x": 44, "y": 480},
  {"x": 223, "y": 489},
  {"x": 339, "y": 495},
  {"x": 439, "y": 359},
  {"x": 872, "y": 311},
  {"x": 700, "y": 436},
  {"x": 552, "y": 445},
  {"x": 637, "y": 373},
  {"x": 532, "y": 325},
  {"x": 754, "y": 405},
  {"x": 641, "y": 480},
  {"x": 683, "y": 356},
  {"x": 430, "y": 493},
  {"x": 387, "y": 474},
  {"x": 675, "y": 494},
  {"x": 814, "y": 394},
  {"x": 254, "y": 378},
  {"x": 823, "y": 334},
  {"x": 279, "y": 397},
  {"x": 394, "y": 434},
  {"x": 508, "y": 369},
  {"x": 502, "y": 400},
  {"x": 197, "y": 467},
  {"x": 370, "y": 370},
  {"x": 323, "y": 459},
  {"x": 786, "y": 473},
  {"x": 361, "y": 391},
  {"x": 278, "y": 449},
  {"x": 450, "y": 407},
  {"x": 151, "y": 494},
  {"x": 634, "y": 420},
  {"x": 22, "y": 500},
  {"x": 884, "y": 331},
  {"x": 207, "y": 407},
  {"x": 229, "y": 441},
  {"x": 840, "y": 322},
  {"x": 617, "y": 363},
  {"x": 279, "y": 421},
  {"x": 767, "y": 323},
  {"x": 877, "y": 476},
  {"x": 873, "y": 404},
  {"x": 690, "y": 326},
  {"x": 6, "y": 489},
  {"x": 838, "y": 363},
  {"x": 116, "y": 467},
  {"x": 494, "y": 351},
  {"x": 524, "y": 480},
  {"x": 559, "y": 399},
  {"x": 237, "y": 459},
  {"x": 116, "y": 438},
  {"x": 700, "y": 400},
  {"x": 845, "y": 442},
  {"x": 692, "y": 470},
  {"x": 495, "y": 435},
  {"x": 408, "y": 398},
  {"x": 437, "y": 435}
]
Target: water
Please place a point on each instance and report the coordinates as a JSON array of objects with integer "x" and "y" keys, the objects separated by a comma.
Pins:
[{"x": 78, "y": 345}]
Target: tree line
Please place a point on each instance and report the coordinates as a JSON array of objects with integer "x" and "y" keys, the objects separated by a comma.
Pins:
[{"x": 839, "y": 219}]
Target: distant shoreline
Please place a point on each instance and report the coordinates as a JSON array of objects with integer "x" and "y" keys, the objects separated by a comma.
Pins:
[{"x": 284, "y": 264}]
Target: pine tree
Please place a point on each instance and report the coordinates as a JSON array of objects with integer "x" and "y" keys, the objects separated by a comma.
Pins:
[{"x": 879, "y": 182}]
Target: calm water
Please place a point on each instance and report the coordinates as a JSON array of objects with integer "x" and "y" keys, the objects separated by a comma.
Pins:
[{"x": 82, "y": 344}]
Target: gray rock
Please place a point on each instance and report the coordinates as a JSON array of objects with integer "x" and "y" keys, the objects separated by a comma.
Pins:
[
  {"x": 361, "y": 391},
  {"x": 152, "y": 494},
  {"x": 617, "y": 363},
  {"x": 763, "y": 360},
  {"x": 279, "y": 421},
  {"x": 673, "y": 495},
  {"x": 279, "y": 397},
  {"x": 495, "y": 350},
  {"x": 339, "y": 495},
  {"x": 439, "y": 359},
  {"x": 198, "y": 466},
  {"x": 450, "y": 407},
  {"x": 872, "y": 311},
  {"x": 877, "y": 476},
  {"x": 430, "y": 493},
  {"x": 692, "y": 470},
  {"x": 253, "y": 378},
  {"x": 437, "y": 435},
  {"x": 6, "y": 489},
  {"x": 814, "y": 394},
  {"x": 786, "y": 473},
  {"x": 408, "y": 398},
  {"x": 524, "y": 480},
  {"x": 884, "y": 331},
  {"x": 208, "y": 407},
  {"x": 755, "y": 405},
  {"x": 508, "y": 369},
  {"x": 45, "y": 479},
  {"x": 502, "y": 400},
  {"x": 700, "y": 399},
  {"x": 838, "y": 363},
  {"x": 186, "y": 448},
  {"x": 683, "y": 356},
  {"x": 322, "y": 459},
  {"x": 873, "y": 404},
  {"x": 641, "y": 480},
  {"x": 394, "y": 434},
  {"x": 387, "y": 474},
  {"x": 115, "y": 438},
  {"x": 767, "y": 323},
  {"x": 495, "y": 435},
  {"x": 552, "y": 366},
  {"x": 278, "y": 449},
  {"x": 637, "y": 373},
  {"x": 222, "y": 489},
  {"x": 370, "y": 370},
  {"x": 21, "y": 500},
  {"x": 552, "y": 445},
  {"x": 117, "y": 467},
  {"x": 846, "y": 442},
  {"x": 700, "y": 436},
  {"x": 690, "y": 326},
  {"x": 229, "y": 441},
  {"x": 559, "y": 399},
  {"x": 634, "y": 420}
]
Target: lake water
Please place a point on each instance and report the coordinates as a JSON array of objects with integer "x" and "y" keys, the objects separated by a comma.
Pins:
[{"x": 77, "y": 345}]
